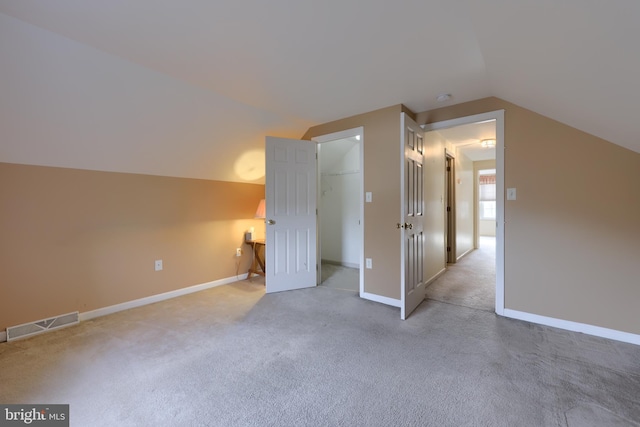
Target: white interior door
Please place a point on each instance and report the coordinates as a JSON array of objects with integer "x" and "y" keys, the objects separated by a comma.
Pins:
[
  {"x": 412, "y": 217},
  {"x": 290, "y": 192}
]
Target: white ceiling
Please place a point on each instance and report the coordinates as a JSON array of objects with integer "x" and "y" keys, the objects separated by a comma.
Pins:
[
  {"x": 190, "y": 88},
  {"x": 468, "y": 138}
]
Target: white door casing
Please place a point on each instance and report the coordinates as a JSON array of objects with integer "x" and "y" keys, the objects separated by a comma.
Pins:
[
  {"x": 498, "y": 116},
  {"x": 412, "y": 216},
  {"x": 290, "y": 194}
]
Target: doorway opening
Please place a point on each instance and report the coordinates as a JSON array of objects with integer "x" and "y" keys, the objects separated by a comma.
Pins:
[
  {"x": 473, "y": 148},
  {"x": 340, "y": 208}
]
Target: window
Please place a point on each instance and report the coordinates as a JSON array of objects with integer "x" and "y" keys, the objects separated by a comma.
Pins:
[{"x": 487, "y": 195}]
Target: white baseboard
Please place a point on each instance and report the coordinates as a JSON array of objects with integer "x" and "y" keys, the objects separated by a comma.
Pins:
[
  {"x": 87, "y": 315},
  {"x": 465, "y": 254},
  {"x": 435, "y": 276},
  {"x": 3, "y": 336},
  {"x": 574, "y": 326},
  {"x": 379, "y": 298}
]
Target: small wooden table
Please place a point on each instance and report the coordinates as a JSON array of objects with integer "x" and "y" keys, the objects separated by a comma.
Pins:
[{"x": 257, "y": 246}]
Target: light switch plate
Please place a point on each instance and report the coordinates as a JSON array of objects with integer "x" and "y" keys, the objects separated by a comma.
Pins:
[
  {"x": 368, "y": 197},
  {"x": 511, "y": 193}
]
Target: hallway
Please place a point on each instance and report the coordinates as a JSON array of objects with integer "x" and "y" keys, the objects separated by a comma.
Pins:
[{"x": 471, "y": 282}]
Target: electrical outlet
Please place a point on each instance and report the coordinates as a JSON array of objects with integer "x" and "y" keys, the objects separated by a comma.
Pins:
[
  {"x": 368, "y": 263},
  {"x": 158, "y": 264},
  {"x": 238, "y": 251}
]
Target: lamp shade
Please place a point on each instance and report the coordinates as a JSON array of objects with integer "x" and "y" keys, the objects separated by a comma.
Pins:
[{"x": 260, "y": 212}]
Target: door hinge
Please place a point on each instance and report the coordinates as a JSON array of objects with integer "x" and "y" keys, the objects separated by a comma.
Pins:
[
  {"x": 448, "y": 168},
  {"x": 448, "y": 248},
  {"x": 448, "y": 208},
  {"x": 316, "y": 211}
]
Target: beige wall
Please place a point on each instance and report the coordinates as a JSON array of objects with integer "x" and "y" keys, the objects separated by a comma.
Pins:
[
  {"x": 487, "y": 227},
  {"x": 434, "y": 194},
  {"x": 464, "y": 204},
  {"x": 381, "y": 176},
  {"x": 82, "y": 240},
  {"x": 571, "y": 237},
  {"x": 568, "y": 254}
]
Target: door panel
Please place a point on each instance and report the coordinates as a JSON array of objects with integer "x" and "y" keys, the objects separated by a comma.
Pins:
[
  {"x": 290, "y": 214},
  {"x": 412, "y": 247}
]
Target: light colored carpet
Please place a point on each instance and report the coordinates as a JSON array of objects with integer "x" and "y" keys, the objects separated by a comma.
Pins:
[
  {"x": 340, "y": 277},
  {"x": 233, "y": 356},
  {"x": 471, "y": 282}
]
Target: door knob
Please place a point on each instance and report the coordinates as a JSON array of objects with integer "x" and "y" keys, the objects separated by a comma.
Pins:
[
  {"x": 270, "y": 222},
  {"x": 409, "y": 226}
]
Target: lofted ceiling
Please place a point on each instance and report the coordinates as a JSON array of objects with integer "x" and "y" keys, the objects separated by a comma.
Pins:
[{"x": 190, "y": 88}]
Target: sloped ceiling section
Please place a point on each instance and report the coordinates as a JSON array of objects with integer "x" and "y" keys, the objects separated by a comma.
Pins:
[
  {"x": 575, "y": 61},
  {"x": 66, "y": 104},
  {"x": 191, "y": 88}
]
